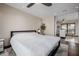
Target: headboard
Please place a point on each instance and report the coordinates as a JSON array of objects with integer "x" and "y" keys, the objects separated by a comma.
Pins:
[{"x": 12, "y": 32}]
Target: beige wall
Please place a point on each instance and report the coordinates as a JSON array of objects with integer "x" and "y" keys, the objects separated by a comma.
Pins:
[
  {"x": 49, "y": 22},
  {"x": 77, "y": 25},
  {"x": 12, "y": 19}
]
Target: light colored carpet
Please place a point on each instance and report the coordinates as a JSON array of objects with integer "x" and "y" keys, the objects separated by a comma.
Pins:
[
  {"x": 8, "y": 52},
  {"x": 63, "y": 50}
]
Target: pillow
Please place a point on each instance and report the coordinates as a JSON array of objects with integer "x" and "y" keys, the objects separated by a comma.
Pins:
[{"x": 26, "y": 33}]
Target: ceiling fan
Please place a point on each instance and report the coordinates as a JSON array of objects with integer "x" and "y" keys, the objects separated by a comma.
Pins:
[{"x": 46, "y": 4}]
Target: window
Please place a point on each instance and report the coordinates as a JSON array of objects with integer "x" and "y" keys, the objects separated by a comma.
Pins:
[{"x": 69, "y": 27}]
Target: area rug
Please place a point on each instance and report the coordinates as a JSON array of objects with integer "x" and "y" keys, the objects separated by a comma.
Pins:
[
  {"x": 8, "y": 52},
  {"x": 63, "y": 50}
]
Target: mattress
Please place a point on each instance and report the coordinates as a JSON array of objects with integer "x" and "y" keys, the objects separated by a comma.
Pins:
[{"x": 33, "y": 44}]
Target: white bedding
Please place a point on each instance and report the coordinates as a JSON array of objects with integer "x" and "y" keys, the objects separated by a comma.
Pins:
[{"x": 33, "y": 44}]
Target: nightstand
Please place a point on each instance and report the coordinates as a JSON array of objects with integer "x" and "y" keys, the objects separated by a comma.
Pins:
[{"x": 1, "y": 45}]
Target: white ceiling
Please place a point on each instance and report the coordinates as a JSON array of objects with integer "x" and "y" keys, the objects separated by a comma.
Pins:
[{"x": 41, "y": 10}]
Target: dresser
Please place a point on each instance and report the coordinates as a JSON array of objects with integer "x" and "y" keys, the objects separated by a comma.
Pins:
[{"x": 1, "y": 45}]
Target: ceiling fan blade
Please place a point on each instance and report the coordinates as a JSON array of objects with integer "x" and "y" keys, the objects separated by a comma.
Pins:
[
  {"x": 47, "y": 4},
  {"x": 31, "y": 4}
]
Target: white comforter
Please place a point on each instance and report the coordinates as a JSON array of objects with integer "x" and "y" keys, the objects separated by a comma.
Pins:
[{"x": 33, "y": 44}]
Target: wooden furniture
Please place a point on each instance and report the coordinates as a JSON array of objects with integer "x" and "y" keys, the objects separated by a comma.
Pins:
[{"x": 1, "y": 45}]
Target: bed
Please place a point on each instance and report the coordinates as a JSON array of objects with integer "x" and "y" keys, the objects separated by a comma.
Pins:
[{"x": 30, "y": 43}]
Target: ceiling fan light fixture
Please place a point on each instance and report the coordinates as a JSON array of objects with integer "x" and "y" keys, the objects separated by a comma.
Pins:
[
  {"x": 29, "y": 5},
  {"x": 46, "y": 4}
]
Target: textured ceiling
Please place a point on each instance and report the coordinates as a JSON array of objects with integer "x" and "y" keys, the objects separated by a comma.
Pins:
[{"x": 41, "y": 10}]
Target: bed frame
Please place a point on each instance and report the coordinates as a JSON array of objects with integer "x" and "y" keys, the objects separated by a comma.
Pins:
[
  {"x": 52, "y": 53},
  {"x": 12, "y": 32}
]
